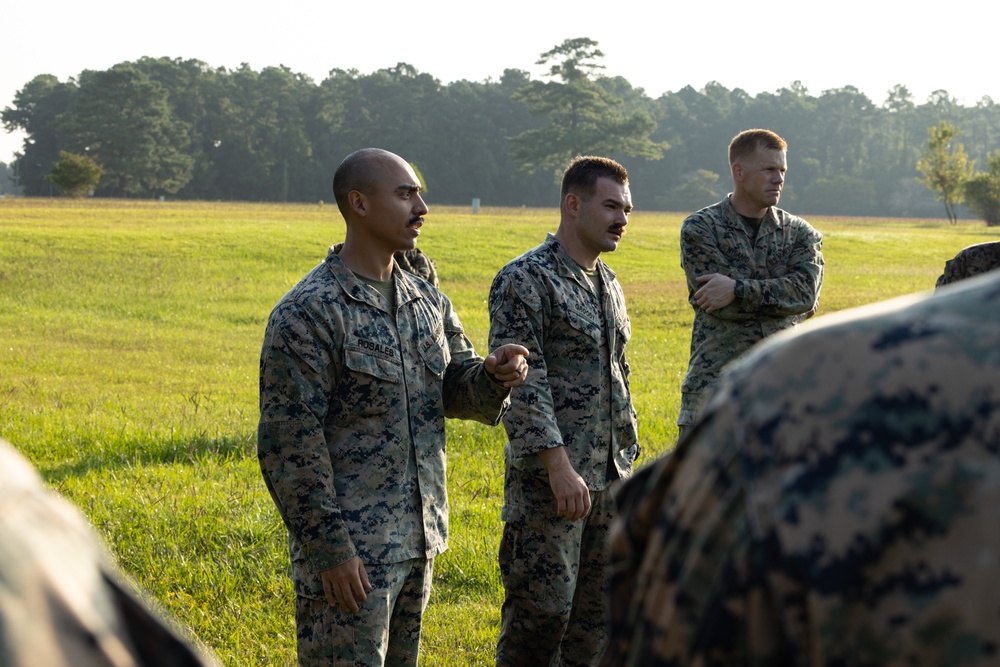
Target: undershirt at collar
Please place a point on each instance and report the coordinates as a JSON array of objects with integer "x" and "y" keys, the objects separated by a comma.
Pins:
[
  {"x": 752, "y": 224},
  {"x": 383, "y": 287}
]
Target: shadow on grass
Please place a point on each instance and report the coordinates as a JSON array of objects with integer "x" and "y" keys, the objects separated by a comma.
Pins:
[{"x": 142, "y": 452}]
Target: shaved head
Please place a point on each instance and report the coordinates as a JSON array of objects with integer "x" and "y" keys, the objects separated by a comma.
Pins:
[{"x": 359, "y": 171}]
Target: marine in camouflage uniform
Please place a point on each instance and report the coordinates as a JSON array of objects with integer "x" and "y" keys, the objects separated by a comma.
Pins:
[
  {"x": 971, "y": 261},
  {"x": 355, "y": 385},
  {"x": 837, "y": 504},
  {"x": 777, "y": 269},
  {"x": 576, "y": 399},
  {"x": 63, "y": 602}
]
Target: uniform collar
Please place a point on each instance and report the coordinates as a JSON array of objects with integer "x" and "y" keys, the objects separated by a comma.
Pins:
[
  {"x": 568, "y": 267},
  {"x": 769, "y": 223},
  {"x": 406, "y": 289}
]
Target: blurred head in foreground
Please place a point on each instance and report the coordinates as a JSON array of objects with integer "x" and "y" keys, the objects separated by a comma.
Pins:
[
  {"x": 837, "y": 503},
  {"x": 62, "y": 600}
]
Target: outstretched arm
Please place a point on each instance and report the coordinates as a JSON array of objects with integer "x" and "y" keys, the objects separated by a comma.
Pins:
[{"x": 508, "y": 364}]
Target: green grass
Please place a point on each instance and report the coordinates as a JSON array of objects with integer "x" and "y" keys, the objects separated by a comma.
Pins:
[{"x": 129, "y": 337}]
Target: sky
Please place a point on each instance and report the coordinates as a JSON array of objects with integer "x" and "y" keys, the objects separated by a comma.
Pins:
[{"x": 759, "y": 47}]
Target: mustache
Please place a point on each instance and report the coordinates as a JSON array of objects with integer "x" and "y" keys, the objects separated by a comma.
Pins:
[{"x": 416, "y": 218}]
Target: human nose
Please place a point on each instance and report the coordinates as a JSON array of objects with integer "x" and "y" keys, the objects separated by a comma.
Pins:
[{"x": 420, "y": 207}]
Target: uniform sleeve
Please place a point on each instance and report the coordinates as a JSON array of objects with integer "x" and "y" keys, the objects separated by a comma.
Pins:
[
  {"x": 796, "y": 290},
  {"x": 793, "y": 290},
  {"x": 517, "y": 316},
  {"x": 469, "y": 393},
  {"x": 295, "y": 392},
  {"x": 700, "y": 256},
  {"x": 687, "y": 576}
]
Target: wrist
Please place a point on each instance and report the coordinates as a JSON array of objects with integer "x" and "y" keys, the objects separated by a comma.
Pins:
[{"x": 554, "y": 458}]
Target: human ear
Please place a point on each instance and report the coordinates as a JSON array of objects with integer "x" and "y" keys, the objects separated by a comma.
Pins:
[
  {"x": 572, "y": 204},
  {"x": 358, "y": 202}
]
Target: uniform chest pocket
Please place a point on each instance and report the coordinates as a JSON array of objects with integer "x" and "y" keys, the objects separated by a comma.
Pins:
[
  {"x": 736, "y": 248},
  {"x": 372, "y": 384},
  {"x": 436, "y": 355},
  {"x": 777, "y": 263},
  {"x": 587, "y": 323},
  {"x": 624, "y": 326}
]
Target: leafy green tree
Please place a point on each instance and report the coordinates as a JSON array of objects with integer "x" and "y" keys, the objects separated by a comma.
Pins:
[
  {"x": 36, "y": 109},
  {"x": 75, "y": 175},
  {"x": 945, "y": 167},
  {"x": 898, "y": 108},
  {"x": 840, "y": 195},
  {"x": 582, "y": 116},
  {"x": 847, "y": 115},
  {"x": 420, "y": 177},
  {"x": 982, "y": 192},
  {"x": 7, "y": 183},
  {"x": 698, "y": 191},
  {"x": 473, "y": 120},
  {"x": 123, "y": 119},
  {"x": 194, "y": 99}
]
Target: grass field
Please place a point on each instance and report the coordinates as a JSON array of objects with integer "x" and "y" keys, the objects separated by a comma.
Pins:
[{"x": 129, "y": 338}]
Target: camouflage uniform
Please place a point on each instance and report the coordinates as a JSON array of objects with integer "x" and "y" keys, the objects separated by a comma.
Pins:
[
  {"x": 413, "y": 261},
  {"x": 971, "y": 261},
  {"x": 351, "y": 438},
  {"x": 62, "y": 601},
  {"x": 780, "y": 275},
  {"x": 577, "y": 395},
  {"x": 418, "y": 264},
  {"x": 837, "y": 504}
]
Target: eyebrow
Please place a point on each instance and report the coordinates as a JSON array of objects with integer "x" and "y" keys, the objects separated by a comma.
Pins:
[
  {"x": 618, "y": 202},
  {"x": 408, "y": 187}
]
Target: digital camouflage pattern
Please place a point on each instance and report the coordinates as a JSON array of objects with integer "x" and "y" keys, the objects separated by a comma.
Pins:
[
  {"x": 326, "y": 633},
  {"x": 577, "y": 395},
  {"x": 782, "y": 272},
  {"x": 544, "y": 301},
  {"x": 417, "y": 263},
  {"x": 971, "y": 261},
  {"x": 63, "y": 602},
  {"x": 412, "y": 261},
  {"x": 837, "y": 504},
  {"x": 555, "y": 576},
  {"x": 353, "y": 399}
]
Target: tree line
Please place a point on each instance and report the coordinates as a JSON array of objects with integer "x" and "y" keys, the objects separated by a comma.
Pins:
[{"x": 181, "y": 128}]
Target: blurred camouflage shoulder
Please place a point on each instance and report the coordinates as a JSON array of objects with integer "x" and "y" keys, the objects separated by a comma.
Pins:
[
  {"x": 63, "y": 602},
  {"x": 971, "y": 261}
]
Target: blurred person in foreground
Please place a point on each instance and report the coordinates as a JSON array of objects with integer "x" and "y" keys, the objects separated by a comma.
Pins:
[
  {"x": 571, "y": 428},
  {"x": 838, "y": 502},
  {"x": 63, "y": 601},
  {"x": 971, "y": 261},
  {"x": 752, "y": 268},
  {"x": 361, "y": 363}
]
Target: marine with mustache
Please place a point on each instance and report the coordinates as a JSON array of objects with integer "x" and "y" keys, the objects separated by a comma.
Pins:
[
  {"x": 571, "y": 427},
  {"x": 360, "y": 365},
  {"x": 752, "y": 269}
]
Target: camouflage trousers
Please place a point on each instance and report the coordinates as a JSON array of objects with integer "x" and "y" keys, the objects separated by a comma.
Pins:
[
  {"x": 384, "y": 632},
  {"x": 555, "y": 576}
]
